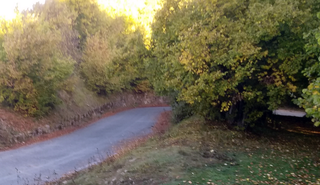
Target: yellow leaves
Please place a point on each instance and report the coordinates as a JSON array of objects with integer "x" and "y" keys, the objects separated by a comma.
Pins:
[
  {"x": 265, "y": 53},
  {"x": 314, "y": 87},
  {"x": 225, "y": 106},
  {"x": 292, "y": 78},
  {"x": 192, "y": 63},
  {"x": 241, "y": 59},
  {"x": 310, "y": 87},
  {"x": 291, "y": 87},
  {"x": 185, "y": 58},
  {"x": 278, "y": 83},
  {"x": 214, "y": 103}
]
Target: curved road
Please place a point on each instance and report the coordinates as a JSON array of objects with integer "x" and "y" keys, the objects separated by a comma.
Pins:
[{"x": 52, "y": 159}]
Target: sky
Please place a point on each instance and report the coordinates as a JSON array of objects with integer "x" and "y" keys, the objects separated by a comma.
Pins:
[
  {"x": 7, "y": 6},
  {"x": 131, "y": 6}
]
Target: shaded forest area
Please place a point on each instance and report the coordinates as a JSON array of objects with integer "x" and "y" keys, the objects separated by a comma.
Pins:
[{"x": 231, "y": 60}]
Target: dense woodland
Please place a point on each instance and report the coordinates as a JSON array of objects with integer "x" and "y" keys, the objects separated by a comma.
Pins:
[{"x": 233, "y": 60}]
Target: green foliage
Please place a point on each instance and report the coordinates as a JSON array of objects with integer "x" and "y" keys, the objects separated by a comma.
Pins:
[
  {"x": 97, "y": 65},
  {"x": 231, "y": 59},
  {"x": 90, "y": 19},
  {"x": 113, "y": 52},
  {"x": 180, "y": 111},
  {"x": 32, "y": 66},
  {"x": 140, "y": 86},
  {"x": 60, "y": 17},
  {"x": 113, "y": 58},
  {"x": 130, "y": 58},
  {"x": 310, "y": 99},
  {"x": 39, "y": 47}
]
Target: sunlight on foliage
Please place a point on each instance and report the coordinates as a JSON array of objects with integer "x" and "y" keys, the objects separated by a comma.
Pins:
[{"x": 141, "y": 11}]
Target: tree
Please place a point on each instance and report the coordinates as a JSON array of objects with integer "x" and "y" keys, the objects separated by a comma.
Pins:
[
  {"x": 97, "y": 66},
  {"x": 59, "y": 17},
  {"x": 113, "y": 58},
  {"x": 32, "y": 66},
  {"x": 231, "y": 59},
  {"x": 90, "y": 19}
]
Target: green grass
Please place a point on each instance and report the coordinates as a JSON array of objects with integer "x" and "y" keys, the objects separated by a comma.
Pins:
[
  {"x": 258, "y": 167},
  {"x": 196, "y": 152}
]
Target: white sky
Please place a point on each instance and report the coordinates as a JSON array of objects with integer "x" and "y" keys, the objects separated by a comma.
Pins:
[{"x": 7, "y": 6}]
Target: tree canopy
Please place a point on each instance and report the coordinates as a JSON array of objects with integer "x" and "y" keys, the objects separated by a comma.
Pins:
[{"x": 232, "y": 59}]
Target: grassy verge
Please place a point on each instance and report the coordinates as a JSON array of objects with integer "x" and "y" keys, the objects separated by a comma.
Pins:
[{"x": 197, "y": 152}]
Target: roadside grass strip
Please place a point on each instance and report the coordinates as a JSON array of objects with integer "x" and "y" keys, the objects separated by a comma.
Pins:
[{"x": 198, "y": 152}]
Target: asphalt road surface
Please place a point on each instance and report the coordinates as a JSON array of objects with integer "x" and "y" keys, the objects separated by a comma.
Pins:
[{"x": 49, "y": 160}]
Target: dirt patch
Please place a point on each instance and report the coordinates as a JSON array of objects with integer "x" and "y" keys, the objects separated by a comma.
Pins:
[{"x": 15, "y": 121}]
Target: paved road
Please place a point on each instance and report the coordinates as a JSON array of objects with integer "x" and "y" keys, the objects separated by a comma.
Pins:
[{"x": 52, "y": 159}]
